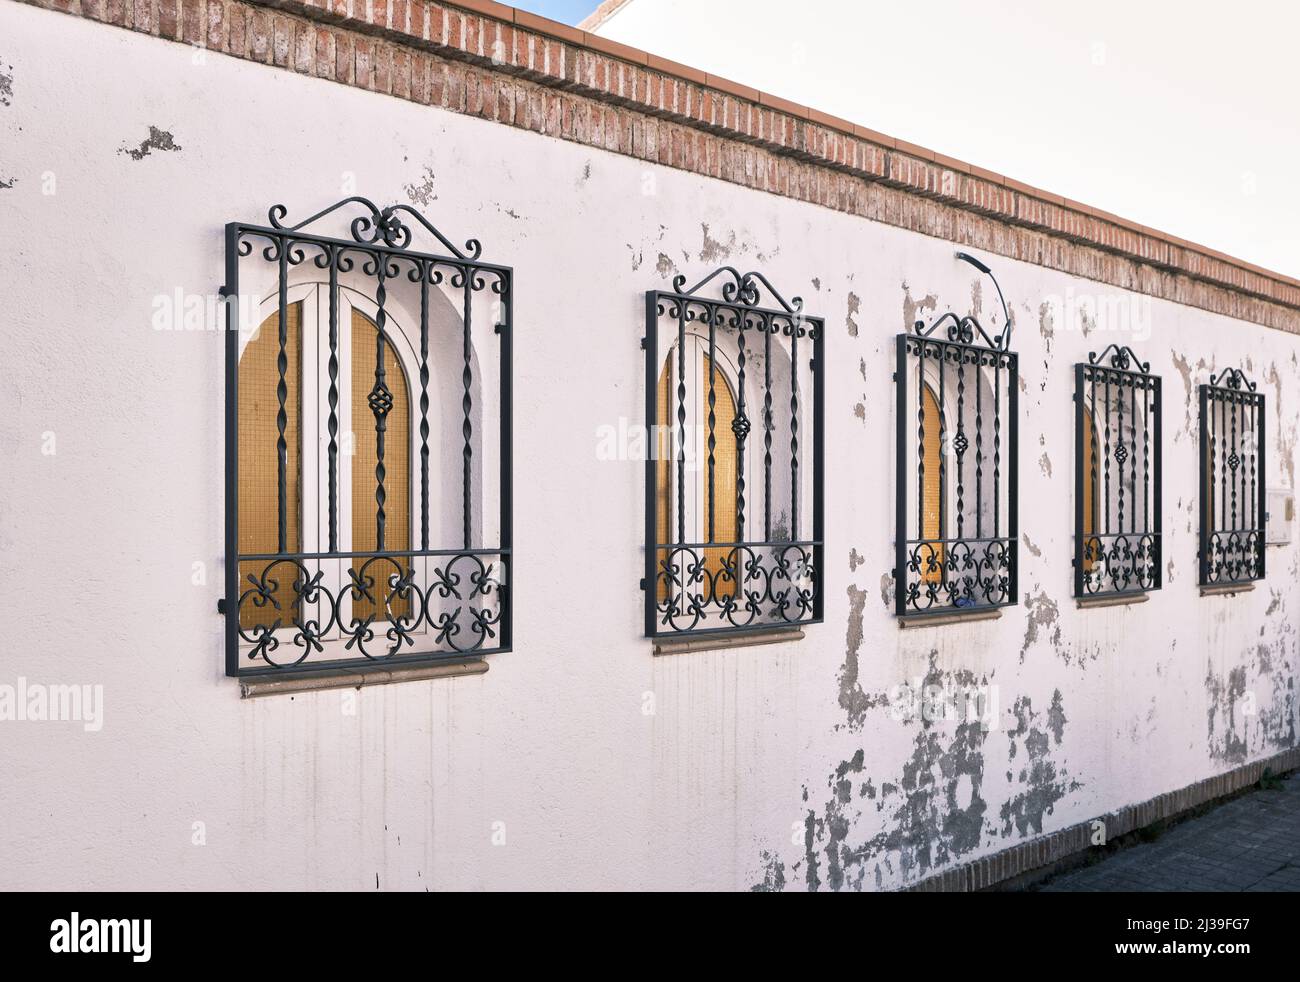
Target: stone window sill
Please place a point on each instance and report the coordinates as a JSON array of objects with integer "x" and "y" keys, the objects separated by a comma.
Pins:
[
  {"x": 956, "y": 617},
  {"x": 681, "y": 646},
  {"x": 1227, "y": 589},
  {"x": 291, "y": 683},
  {"x": 1122, "y": 600}
]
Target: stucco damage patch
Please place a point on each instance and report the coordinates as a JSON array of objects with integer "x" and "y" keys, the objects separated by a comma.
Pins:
[
  {"x": 7, "y": 86},
  {"x": 714, "y": 250},
  {"x": 855, "y": 304},
  {"x": 1245, "y": 718},
  {"x": 1046, "y": 327},
  {"x": 1042, "y": 780},
  {"x": 1043, "y": 620},
  {"x": 160, "y": 140},
  {"x": 1185, "y": 370},
  {"x": 421, "y": 191},
  {"x": 1284, "y": 440},
  {"x": 912, "y": 309},
  {"x": 853, "y": 700},
  {"x": 935, "y": 808}
]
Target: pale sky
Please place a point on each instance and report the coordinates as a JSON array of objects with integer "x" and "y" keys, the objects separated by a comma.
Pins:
[{"x": 1178, "y": 115}]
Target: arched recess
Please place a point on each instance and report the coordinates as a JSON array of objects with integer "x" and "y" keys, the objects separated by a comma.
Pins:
[
  {"x": 307, "y": 436},
  {"x": 709, "y": 509}
]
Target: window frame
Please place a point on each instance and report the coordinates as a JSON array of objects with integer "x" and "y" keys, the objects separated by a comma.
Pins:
[
  {"x": 962, "y": 341},
  {"x": 473, "y": 573},
  {"x": 1118, "y": 365},
  {"x": 801, "y": 601},
  {"x": 1231, "y": 386}
]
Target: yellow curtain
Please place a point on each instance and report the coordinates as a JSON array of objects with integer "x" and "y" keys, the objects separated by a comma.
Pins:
[
  {"x": 1090, "y": 479},
  {"x": 725, "y": 455},
  {"x": 397, "y": 467},
  {"x": 663, "y": 474},
  {"x": 259, "y": 405},
  {"x": 932, "y": 490},
  {"x": 724, "y": 480}
]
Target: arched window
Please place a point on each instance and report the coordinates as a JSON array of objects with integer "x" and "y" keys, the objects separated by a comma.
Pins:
[
  {"x": 368, "y": 516},
  {"x": 956, "y": 463},
  {"x": 733, "y": 507},
  {"x": 705, "y": 501},
  {"x": 1117, "y": 475}
]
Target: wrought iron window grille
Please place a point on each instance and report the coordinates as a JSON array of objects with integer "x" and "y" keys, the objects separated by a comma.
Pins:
[
  {"x": 957, "y": 446},
  {"x": 391, "y": 367},
  {"x": 1234, "y": 501},
  {"x": 1117, "y": 475},
  {"x": 734, "y": 468}
]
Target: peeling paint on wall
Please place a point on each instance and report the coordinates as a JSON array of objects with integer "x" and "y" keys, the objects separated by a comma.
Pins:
[
  {"x": 421, "y": 192},
  {"x": 1046, "y": 327},
  {"x": 1042, "y": 614},
  {"x": 935, "y": 810},
  {"x": 160, "y": 140},
  {"x": 713, "y": 250},
  {"x": 855, "y": 304},
  {"x": 853, "y": 700},
  {"x": 913, "y": 309},
  {"x": 1043, "y": 780}
]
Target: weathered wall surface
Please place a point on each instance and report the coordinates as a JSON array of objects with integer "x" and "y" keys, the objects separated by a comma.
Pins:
[{"x": 778, "y": 766}]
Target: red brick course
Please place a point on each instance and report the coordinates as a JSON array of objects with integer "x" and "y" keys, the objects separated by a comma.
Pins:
[{"x": 486, "y": 59}]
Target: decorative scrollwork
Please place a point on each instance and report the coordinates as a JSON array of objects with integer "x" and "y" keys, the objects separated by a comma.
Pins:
[
  {"x": 1121, "y": 563},
  {"x": 377, "y": 226},
  {"x": 1234, "y": 556},
  {"x": 1121, "y": 357},
  {"x": 965, "y": 329},
  {"x": 957, "y": 573},
  {"x": 1232, "y": 378},
  {"x": 742, "y": 289},
  {"x": 380, "y": 608},
  {"x": 740, "y": 586}
]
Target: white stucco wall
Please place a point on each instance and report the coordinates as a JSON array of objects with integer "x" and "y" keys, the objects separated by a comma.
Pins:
[{"x": 734, "y": 778}]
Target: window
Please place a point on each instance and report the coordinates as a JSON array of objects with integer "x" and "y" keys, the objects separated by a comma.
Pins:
[
  {"x": 1233, "y": 497},
  {"x": 956, "y": 506},
  {"x": 734, "y": 474},
  {"x": 367, "y": 446},
  {"x": 1117, "y": 475}
]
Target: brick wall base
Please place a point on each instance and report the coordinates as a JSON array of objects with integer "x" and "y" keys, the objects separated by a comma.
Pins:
[{"x": 1032, "y": 860}]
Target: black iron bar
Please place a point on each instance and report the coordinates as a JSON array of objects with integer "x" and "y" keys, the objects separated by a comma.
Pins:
[
  {"x": 467, "y": 428},
  {"x": 333, "y": 398}
]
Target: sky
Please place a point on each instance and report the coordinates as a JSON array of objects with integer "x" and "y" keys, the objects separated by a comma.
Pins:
[
  {"x": 1182, "y": 116},
  {"x": 565, "y": 11}
]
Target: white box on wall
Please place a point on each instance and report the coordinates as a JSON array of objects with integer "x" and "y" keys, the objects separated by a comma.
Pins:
[{"x": 1281, "y": 513}]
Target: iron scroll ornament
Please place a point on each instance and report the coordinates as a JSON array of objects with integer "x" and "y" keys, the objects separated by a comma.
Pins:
[{"x": 363, "y": 609}]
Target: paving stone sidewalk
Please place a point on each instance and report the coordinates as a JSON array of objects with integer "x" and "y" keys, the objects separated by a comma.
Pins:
[{"x": 1250, "y": 843}]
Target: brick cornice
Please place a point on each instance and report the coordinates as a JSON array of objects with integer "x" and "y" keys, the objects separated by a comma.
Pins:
[{"x": 489, "y": 60}]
